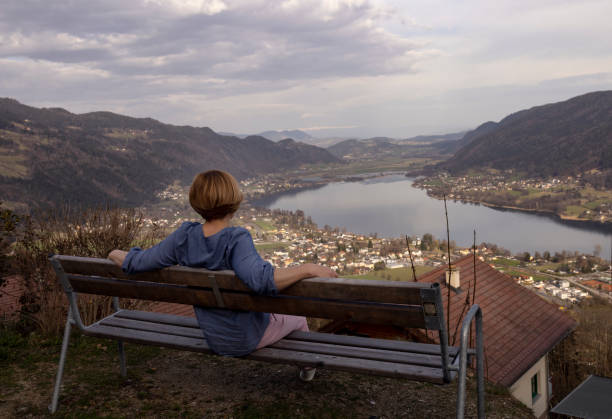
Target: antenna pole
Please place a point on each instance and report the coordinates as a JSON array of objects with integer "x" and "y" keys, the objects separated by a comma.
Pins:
[
  {"x": 448, "y": 297},
  {"x": 474, "y": 292},
  {"x": 411, "y": 261}
]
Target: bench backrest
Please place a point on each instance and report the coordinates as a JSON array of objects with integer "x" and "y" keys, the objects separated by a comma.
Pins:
[{"x": 404, "y": 304}]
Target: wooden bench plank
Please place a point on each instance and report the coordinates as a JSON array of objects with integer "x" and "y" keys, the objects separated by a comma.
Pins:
[
  {"x": 399, "y": 315},
  {"x": 363, "y": 366},
  {"x": 154, "y": 317},
  {"x": 393, "y": 345},
  {"x": 361, "y": 353},
  {"x": 152, "y": 327},
  {"x": 330, "y": 288},
  {"x": 357, "y": 341},
  {"x": 268, "y": 354},
  {"x": 148, "y": 338},
  {"x": 294, "y": 345}
]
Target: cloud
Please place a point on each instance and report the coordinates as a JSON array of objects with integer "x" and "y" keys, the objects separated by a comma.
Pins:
[
  {"x": 241, "y": 40},
  {"x": 350, "y": 67}
]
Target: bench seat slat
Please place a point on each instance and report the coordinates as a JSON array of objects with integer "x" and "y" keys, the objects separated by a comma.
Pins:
[
  {"x": 161, "y": 318},
  {"x": 148, "y": 338},
  {"x": 364, "y": 366},
  {"x": 269, "y": 354},
  {"x": 361, "y": 353},
  {"x": 356, "y": 341},
  {"x": 152, "y": 327},
  {"x": 394, "y": 345},
  {"x": 288, "y": 344}
]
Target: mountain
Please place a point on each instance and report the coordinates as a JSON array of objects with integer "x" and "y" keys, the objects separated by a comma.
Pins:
[
  {"x": 295, "y": 134},
  {"x": 455, "y": 136},
  {"x": 52, "y": 156},
  {"x": 383, "y": 147},
  {"x": 565, "y": 138},
  {"x": 453, "y": 144}
]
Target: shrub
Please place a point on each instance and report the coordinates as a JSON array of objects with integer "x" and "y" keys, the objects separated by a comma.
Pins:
[{"x": 90, "y": 232}]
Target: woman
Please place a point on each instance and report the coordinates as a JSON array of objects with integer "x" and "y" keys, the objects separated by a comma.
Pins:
[{"x": 215, "y": 245}]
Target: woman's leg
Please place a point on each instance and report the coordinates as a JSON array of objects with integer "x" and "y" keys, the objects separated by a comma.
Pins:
[{"x": 280, "y": 326}]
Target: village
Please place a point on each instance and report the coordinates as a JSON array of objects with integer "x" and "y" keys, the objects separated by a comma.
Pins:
[
  {"x": 569, "y": 197},
  {"x": 288, "y": 238}
]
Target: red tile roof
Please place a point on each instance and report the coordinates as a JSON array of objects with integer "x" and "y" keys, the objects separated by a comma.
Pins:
[{"x": 519, "y": 326}]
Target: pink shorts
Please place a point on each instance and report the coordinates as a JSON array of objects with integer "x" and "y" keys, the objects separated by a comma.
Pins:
[{"x": 280, "y": 326}]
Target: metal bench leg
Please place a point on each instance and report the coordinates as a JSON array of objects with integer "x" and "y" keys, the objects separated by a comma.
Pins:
[
  {"x": 476, "y": 313},
  {"x": 480, "y": 366},
  {"x": 122, "y": 364},
  {"x": 62, "y": 361},
  {"x": 461, "y": 382}
]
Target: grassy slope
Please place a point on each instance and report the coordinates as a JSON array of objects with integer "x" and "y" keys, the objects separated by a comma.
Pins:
[{"x": 169, "y": 383}]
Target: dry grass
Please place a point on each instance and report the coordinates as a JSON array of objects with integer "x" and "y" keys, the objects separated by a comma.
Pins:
[
  {"x": 91, "y": 232},
  {"x": 169, "y": 383}
]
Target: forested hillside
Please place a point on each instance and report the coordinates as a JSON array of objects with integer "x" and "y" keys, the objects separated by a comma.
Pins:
[
  {"x": 51, "y": 156},
  {"x": 565, "y": 138}
]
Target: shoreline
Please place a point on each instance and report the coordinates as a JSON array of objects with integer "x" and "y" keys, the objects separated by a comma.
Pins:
[
  {"x": 265, "y": 199},
  {"x": 607, "y": 225}
]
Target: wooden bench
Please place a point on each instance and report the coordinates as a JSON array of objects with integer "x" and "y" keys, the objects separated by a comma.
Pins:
[{"x": 404, "y": 304}]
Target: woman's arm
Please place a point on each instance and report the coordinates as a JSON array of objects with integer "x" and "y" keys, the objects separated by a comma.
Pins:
[
  {"x": 138, "y": 260},
  {"x": 284, "y": 277},
  {"x": 260, "y": 276}
]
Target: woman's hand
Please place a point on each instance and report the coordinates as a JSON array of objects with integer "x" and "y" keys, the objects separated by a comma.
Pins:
[
  {"x": 284, "y": 277},
  {"x": 320, "y": 271},
  {"x": 118, "y": 256}
]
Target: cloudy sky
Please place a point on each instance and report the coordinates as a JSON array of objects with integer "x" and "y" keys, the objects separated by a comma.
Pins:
[{"x": 332, "y": 67}]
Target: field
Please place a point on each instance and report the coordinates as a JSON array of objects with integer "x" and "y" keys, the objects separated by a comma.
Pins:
[
  {"x": 262, "y": 247},
  {"x": 264, "y": 225},
  {"x": 370, "y": 166},
  {"x": 399, "y": 274},
  {"x": 504, "y": 262}
]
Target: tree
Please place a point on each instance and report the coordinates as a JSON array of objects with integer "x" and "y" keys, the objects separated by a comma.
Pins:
[
  {"x": 597, "y": 250},
  {"x": 370, "y": 245},
  {"x": 379, "y": 266},
  {"x": 427, "y": 242}
]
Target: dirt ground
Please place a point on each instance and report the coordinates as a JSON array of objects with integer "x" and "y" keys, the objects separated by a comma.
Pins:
[{"x": 170, "y": 383}]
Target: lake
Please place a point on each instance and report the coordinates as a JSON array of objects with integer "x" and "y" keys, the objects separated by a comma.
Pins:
[{"x": 391, "y": 207}]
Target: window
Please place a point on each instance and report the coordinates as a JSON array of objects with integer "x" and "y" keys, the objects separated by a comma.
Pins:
[{"x": 534, "y": 387}]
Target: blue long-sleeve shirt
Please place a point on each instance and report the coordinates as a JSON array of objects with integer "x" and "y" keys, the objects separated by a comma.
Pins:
[{"x": 227, "y": 332}]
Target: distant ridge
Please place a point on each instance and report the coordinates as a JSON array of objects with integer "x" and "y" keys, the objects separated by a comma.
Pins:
[
  {"x": 564, "y": 138},
  {"x": 51, "y": 156},
  {"x": 295, "y": 134},
  {"x": 383, "y": 147}
]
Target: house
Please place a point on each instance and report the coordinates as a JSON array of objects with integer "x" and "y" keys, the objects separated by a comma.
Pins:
[{"x": 520, "y": 329}]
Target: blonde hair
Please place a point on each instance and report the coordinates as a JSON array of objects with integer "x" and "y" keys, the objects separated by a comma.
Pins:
[{"x": 214, "y": 194}]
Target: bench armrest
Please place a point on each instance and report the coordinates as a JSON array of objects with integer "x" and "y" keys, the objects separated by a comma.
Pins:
[
  {"x": 74, "y": 312},
  {"x": 474, "y": 314}
]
